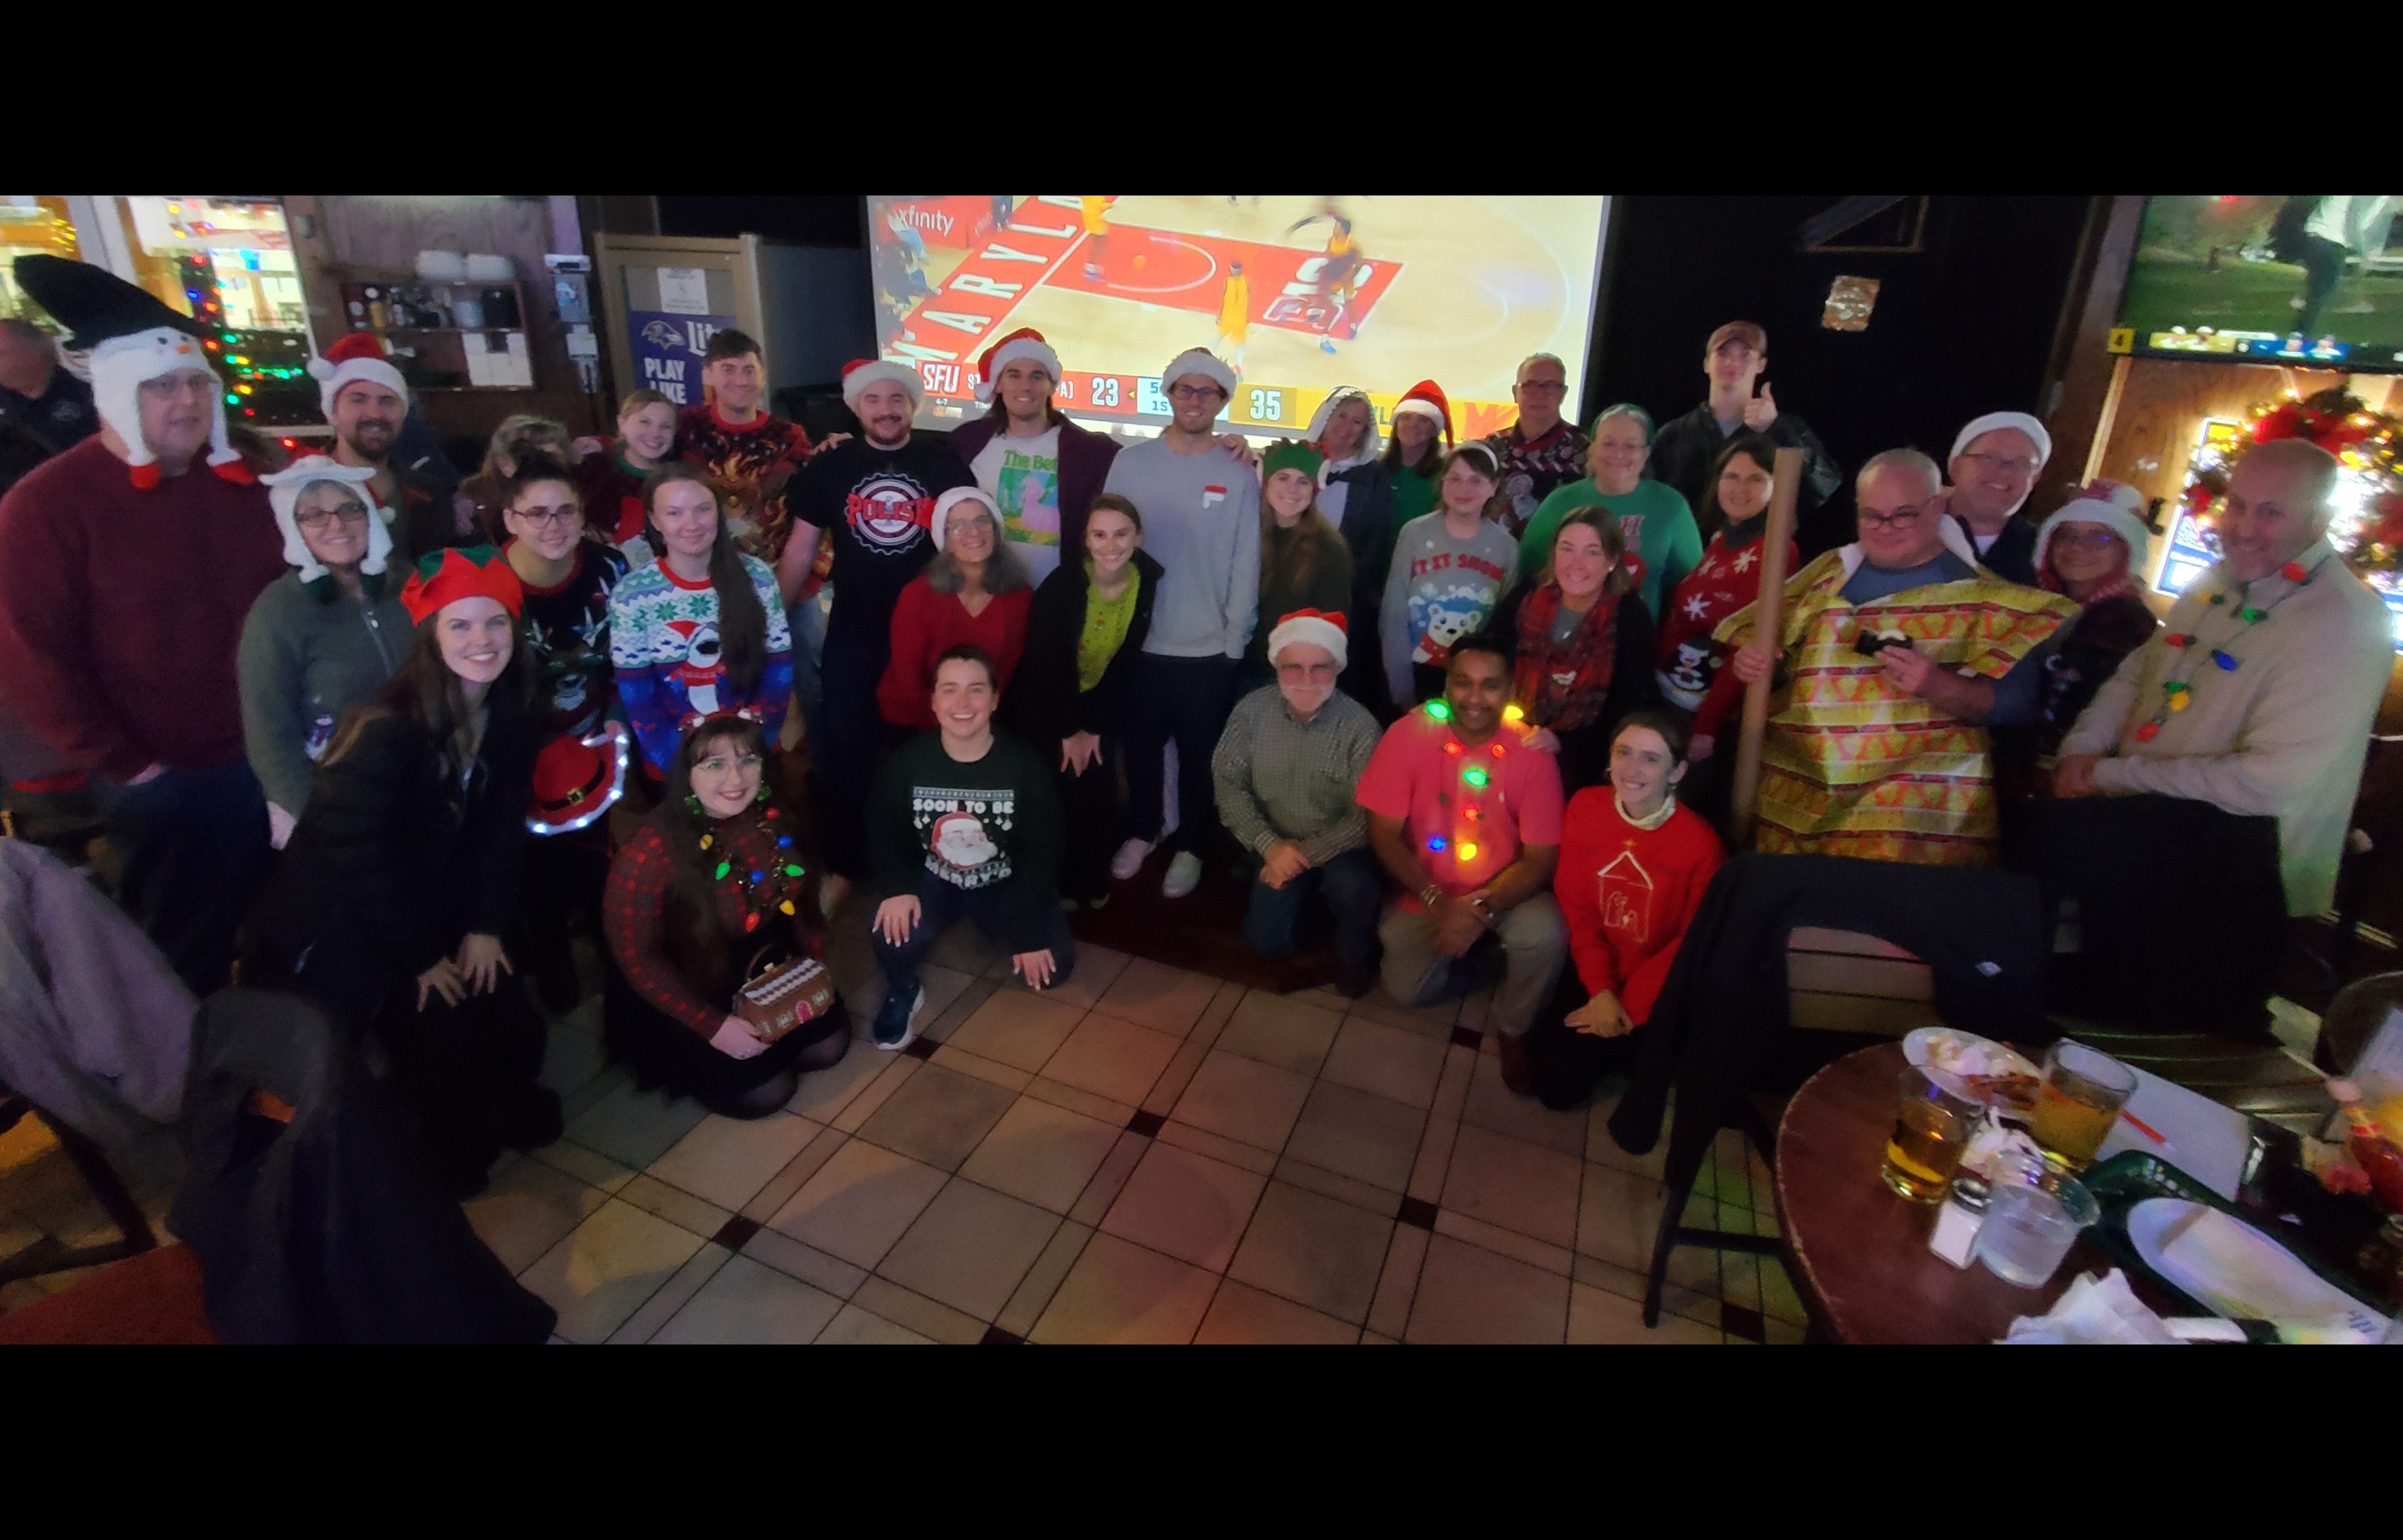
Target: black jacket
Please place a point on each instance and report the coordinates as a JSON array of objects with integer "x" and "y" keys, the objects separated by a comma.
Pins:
[
  {"x": 1045, "y": 704},
  {"x": 394, "y": 862},
  {"x": 2012, "y": 556},
  {"x": 1585, "y": 751},
  {"x": 1682, "y": 449},
  {"x": 1368, "y": 529}
]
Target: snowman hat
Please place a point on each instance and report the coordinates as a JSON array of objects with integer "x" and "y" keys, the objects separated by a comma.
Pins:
[
  {"x": 131, "y": 337},
  {"x": 860, "y": 373},
  {"x": 1024, "y": 343},
  {"x": 283, "y": 490},
  {"x": 939, "y": 520},
  {"x": 356, "y": 357},
  {"x": 1201, "y": 361}
]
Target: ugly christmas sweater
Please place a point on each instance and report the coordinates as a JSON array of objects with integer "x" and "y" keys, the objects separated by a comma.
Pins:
[
  {"x": 1628, "y": 892},
  {"x": 758, "y": 459},
  {"x": 663, "y": 646},
  {"x": 1725, "y": 580},
  {"x": 991, "y": 825}
]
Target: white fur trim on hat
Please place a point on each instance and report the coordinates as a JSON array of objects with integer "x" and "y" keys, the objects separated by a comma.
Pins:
[
  {"x": 119, "y": 364},
  {"x": 1371, "y": 443},
  {"x": 283, "y": 490},
  {"x": 883, "y": 371},
  {"x": 1427, "y": 409},
  {"x": 1031, "y": 349},
  {"x": 2121, "y": 512},
  {"x": 2018, "y": 420},
  {"x": 1316, "y": 629},
  {"x": 1201, "y": 361},
  {"x": 941, "y": 517},
  {"x": 331, "y": 378}
]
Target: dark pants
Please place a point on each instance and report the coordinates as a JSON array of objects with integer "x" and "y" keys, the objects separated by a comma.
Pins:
[
  {"x": 1185, "y": 700},
  {"x": 663, "y": 1051},
  {"x": 842, "y": 765},
  {"x": 2322, "y": 270},
  {"x": 559, "y": 893},
  {"x": 1350, "y": 886},
  {"x": 470, "y": 1073},
  {"x": 1090, "y": 802},
  {"x": 195, "y": 847},
  {"x": 1568, "y": 1063},
  {"x": 941, "y": 906}
]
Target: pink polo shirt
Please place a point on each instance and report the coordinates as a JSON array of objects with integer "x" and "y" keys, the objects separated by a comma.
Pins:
[{"x": 1420, "y": 774}]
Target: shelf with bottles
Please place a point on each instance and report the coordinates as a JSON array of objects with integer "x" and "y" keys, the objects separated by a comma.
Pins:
[{"x": 460, "y": 336}]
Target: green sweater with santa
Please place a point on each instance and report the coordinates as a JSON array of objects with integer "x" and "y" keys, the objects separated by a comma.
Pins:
[{"x": 988, "y": 826}]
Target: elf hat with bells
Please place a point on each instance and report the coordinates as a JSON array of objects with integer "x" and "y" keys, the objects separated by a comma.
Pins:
[{"x": 131, "y": 337}]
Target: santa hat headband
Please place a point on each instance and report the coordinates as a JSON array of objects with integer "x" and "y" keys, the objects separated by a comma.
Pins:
[
  {"x": 455, "y": 573},
  {"x": 1201, "y": 361},
  {"x": 357, "y": 356},
  {"x": 576, "y": 780},
  {"x": 1025, "y": 345},
  {"x": 2120, "y": 508},
  {"x": 1315, "y": 628},
  {"x": 283, "y": 490},
  {"x": 1426, "y": 399},
  {"x": 938, "y": 522},
  {"x": 860, "y": 373},
  {"x": 132, "y": 339}
]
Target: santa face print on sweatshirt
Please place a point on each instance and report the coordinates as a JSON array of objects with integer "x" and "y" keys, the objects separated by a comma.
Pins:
[{"x": 958, "y": 829}]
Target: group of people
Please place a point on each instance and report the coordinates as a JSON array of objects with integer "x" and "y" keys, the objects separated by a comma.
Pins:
[{"x": 1467, "y": 696}]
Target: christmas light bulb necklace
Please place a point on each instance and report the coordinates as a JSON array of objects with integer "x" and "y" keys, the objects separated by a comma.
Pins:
[
  {"x": 758, "y": 889},
  {"x": 2178, "y": 691}
]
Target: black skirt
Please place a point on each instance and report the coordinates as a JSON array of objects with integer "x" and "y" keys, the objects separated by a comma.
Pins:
[{"x": 665, "y": 1052}]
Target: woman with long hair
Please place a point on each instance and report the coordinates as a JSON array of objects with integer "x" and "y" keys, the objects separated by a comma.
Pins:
[
  {"x": 390, "y": 902},
  {"x": 1413, "y": 458},
  {"x": 323, "y": 636},
  {"x": 1727, "y": 580},
  {"x": 974, "y": 593},
  {"x": 611, "y": 472},
  {"x": 1305, "y": 564},
  {"x": 483, "y": 495},
  {"x": 1451, "y": 568},
  {"x": 714, "y": 887},
  {"x": 1583, "y": 654},
  {"x": 701, "y": 631},
  {"x": 1083, "y": 633}
]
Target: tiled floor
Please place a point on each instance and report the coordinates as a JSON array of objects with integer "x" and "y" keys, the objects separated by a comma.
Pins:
[{"x": 1142, "y": 1156}]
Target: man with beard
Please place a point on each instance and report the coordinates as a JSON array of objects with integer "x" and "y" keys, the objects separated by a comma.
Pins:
[
  {"x": 1285, "y": 772},
  {"x": 127, "y": 566},
  {"x": 871, "y": 497},
  {"x": 1041, "y": 470},
  {"x": 365, "y": 400}
]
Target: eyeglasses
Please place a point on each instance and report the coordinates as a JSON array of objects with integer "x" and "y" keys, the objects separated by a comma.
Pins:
[
  {"x": 543, "y": 518},
  {"x": 1544, "y": 388},
  {"x": 1892, "y": 519},
  {"x": 1194, "y": 392},
  {"x": 2093, "y": 539},
  {"x": 2000, "y": 462},
  {"x": 315, "y": 519}
]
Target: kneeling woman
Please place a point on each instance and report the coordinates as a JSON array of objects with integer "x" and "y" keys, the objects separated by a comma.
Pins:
[
  {"x": 713, "y": 878},
  {"x": 1632, "y": 869},
  {"x": 391, "y": 898}
]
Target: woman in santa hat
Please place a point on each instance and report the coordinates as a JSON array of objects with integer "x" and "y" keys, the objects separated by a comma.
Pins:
[
  {"x": 714, "y": 881},
  {"x": 975, "y": 592},
  {"x": 392, "y": 899},
  {"x": 323, "y": 636},
  {"x": 1413, "y": 458},
  {"x": 2093, "y": 549}
]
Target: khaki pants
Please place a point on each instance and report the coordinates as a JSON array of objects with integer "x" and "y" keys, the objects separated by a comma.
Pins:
[{"x": 1534, "y": 944}]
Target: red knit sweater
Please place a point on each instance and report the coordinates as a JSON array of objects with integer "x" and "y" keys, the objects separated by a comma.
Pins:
[
  {"x": 1629, "y": 894},
  {"x": 633, "y": 917},
  {"x": 120, "y": 610},
  {"x": 924, "y": 623}
]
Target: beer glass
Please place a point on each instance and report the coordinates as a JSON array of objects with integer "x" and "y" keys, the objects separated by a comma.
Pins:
[
  {"x": 1932, "y": 1128},
  {"x": 2079, "y": 1100}
]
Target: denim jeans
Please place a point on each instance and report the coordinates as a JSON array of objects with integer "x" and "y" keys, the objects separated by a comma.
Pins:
[
  {"x": 941, "y": 906},
  {"x": 195, "y": 848},
  {"x": 808, "y": 620},
  {"x": 1349, "y": 884}
]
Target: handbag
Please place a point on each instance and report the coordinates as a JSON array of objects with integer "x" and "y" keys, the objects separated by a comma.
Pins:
[{"x": 782, "y": 993}]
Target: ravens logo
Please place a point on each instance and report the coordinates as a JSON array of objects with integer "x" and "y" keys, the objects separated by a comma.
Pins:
[{"x": 662, "y": 334}]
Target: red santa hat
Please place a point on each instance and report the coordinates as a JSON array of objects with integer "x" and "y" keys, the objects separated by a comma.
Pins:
[
  {"x": 860, "y": 373},
  {"x": 455, "y": 573},
  {"x": 578, "y": 780},
  {"x": 938, "y": 520},
  {"x": 357, "y": 356},
  {"x": 1025, "y": 343},
  {"x": 1317, "y": 628},
  {"x": 1426, "y": 399}
]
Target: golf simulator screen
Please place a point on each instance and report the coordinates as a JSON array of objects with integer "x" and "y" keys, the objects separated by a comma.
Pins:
[
  {"x": 1301, "y": 294},
  {"x": 2312, "y": 280}
]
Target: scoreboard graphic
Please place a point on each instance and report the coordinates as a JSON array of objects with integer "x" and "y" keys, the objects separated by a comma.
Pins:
[{"x": 1301, "y": 294}]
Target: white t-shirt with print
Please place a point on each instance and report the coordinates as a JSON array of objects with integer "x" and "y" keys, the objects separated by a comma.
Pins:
[{"x": 1021, "y": 475}]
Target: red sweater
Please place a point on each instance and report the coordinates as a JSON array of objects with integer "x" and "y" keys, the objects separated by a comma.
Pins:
[
  {"x": 634, "y": 919},
  {"x": 120, "y": 610},
  {"x": 924, "y": 623},
  {"x": 1723, "y": 582},
  {"x": 613, "y": 494},
  {"x": 1629, "y": 894}
]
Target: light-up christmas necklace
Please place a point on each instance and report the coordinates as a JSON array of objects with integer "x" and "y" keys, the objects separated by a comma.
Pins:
[{"x": 2177, "y": 691}]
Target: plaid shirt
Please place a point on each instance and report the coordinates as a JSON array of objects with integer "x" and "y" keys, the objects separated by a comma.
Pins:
[
  {"x": 1283, "y": 778},
  {"x": 633, "y": 917}
]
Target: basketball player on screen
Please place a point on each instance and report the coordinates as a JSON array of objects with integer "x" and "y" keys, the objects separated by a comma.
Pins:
[
  {"x": 1096, "y": 212},
  {"x": 1337, "y": 273},
  {"x": 1234, "y": 316}
]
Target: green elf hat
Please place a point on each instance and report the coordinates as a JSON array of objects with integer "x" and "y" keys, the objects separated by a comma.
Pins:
[{"x": 1291, "y": 454}]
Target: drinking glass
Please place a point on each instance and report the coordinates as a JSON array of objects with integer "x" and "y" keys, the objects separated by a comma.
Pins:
[
  {"x": 2079, "y": 1100},
  {"x": 1933, "y": 1127},
  {"x": 2032, "y": 1220}
]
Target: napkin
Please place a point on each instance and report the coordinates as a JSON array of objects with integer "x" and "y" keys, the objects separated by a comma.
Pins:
[{"x": 2094, "y": 1310}]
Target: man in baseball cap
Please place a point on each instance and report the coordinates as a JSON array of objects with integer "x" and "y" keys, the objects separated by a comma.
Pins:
[
  {"x": 1682, "y": 449},
  {"x": 1042, "y": 471}
]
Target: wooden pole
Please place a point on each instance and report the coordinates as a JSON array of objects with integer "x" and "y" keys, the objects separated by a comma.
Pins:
[{"x": 1768, "y": 618}]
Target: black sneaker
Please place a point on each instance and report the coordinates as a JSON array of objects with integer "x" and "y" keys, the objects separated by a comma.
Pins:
[
  {"x": 896, "y": 1024},
  {"x": 1352, "y": 983}
]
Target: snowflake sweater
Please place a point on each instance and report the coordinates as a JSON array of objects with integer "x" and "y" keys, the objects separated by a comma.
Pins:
[
  {"x": 663, "y": 646},
  {"x": 1725, "y": 580}
]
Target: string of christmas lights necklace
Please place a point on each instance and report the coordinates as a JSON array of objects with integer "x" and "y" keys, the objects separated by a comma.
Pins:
[
  {"x": 774, "y": 886},
  {"x": 1475, "y": 773},
  {"x": 2177, "y": 691}
]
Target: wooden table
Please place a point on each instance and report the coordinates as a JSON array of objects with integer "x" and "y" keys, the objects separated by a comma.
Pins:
[{"x": 1860, "y": 1256}]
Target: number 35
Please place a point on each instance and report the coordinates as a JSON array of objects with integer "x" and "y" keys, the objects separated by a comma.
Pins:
[{"x": 1268, "y": 406}]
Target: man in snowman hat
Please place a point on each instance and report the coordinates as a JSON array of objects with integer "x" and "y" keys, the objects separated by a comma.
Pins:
[{"x": 127, "y": 565}]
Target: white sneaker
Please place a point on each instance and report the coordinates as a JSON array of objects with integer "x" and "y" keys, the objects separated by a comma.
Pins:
[
  {"x": 1183, "y": 875},
  {"x": 1130, "y": 859}
]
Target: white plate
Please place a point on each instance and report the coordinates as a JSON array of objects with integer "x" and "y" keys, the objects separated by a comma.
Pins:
[
  {"x": 1947, "y": 1049},
  {"x": 2238, "y": 1271}
]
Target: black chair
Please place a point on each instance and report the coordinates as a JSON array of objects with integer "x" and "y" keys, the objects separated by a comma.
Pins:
[{"x": 50, "y": 1254}]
